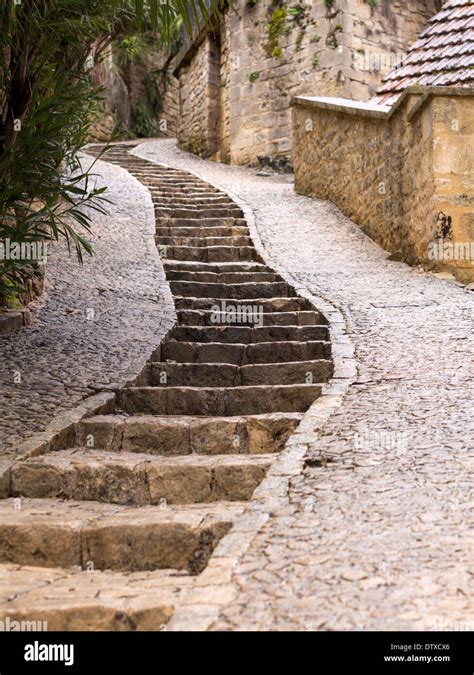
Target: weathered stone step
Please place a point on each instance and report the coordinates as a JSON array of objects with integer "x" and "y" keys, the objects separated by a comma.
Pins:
[
  {"x": 174, "y": 178},
  {"x": 140, "y": 479},
  {"x": 221, "y": 278},
  {"x": 221, "y": 401},
  {"x": 192, "y": 204},
  {"x": 200, "y": 222},
  {"x": 243, "y": 354},
  {"x": 155, "y": 174},
  {"x": 195, "y": 289},
  {"x": 155, "y": 171},
  {"x": 216, "y": 267},
  {"x": 196, "y": 317},
  {"x": 189, "y": 191},
  {"x": 186, "y": 194},
  {"x": 212, "y": 253},
  {"x": 236, "y": 240},
  {"x": 228, "y": 375},
  {"x": 175, "y": 184},
  {"x": 80, "y": 601},
  {"x": 202, "y": 231},
  {"x": 167, "y": 176},
  {"x": 183, "y": 435},
  {"x": 199, "y": 189},
  {"x": 192, "y": 200},
  {"x": 53, "y": 533},
  {"x": 270, "y": 305},
  {"x": 247, "y": 334},
  {"x": 196, "y": 212}
]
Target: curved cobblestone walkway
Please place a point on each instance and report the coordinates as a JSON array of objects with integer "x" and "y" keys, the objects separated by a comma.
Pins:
[{"x": 378, "y": 533}]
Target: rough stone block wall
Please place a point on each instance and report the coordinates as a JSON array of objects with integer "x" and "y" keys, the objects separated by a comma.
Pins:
[
  {"x": 272, "y": 51},
  {"x": 453, "y": 162},
  {"x": 393, "y": 174},
  {"x": 194, "y": 102},
  {"x": 224, "y": 149},
  {"x": 137, "y": 81},
  {"x": 171, "y": 106}
]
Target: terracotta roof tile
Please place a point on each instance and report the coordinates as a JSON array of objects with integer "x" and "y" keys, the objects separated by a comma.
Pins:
[{"x": 443, "y": 55}]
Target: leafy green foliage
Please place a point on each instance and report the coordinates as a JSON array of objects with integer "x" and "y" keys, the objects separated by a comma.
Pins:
[
  {"x": 144, "y": 124},
  {"x": 48, "y": 52}
]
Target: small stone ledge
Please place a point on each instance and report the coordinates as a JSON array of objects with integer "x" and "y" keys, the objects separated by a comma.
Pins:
[
  {"x": 375, "y": 110},
  {"x": 343, "y": 105},
  {"x": 12, "y": 320}
]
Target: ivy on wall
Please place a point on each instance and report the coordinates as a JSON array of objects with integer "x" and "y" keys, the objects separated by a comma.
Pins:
[{"x": 283, "y": 19}]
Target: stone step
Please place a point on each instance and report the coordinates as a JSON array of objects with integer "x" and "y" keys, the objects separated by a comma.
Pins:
[
  {"x": 200, "y": 191},
  {"x": 135, "y": 478},
  {"x": 190, "y": 201},
  {"x": 165, "y": 171},
  {"x": 236, "y": 240},
  {"x": 165, "y": 177},
  {"x": 195, "y": 289},
  {"x": 80, "y": 601},
  {"x": 216, "y": 267},
  {"x": 191, "y": 204},
  {"x": 164, "y": 174},
  {"x": 200, "y": 222},
  {"x": 176, "y": 185},
  {"x": 183, "y": 435},
  {"x": 212, "y": 253},
  {"x": 247, "y": 334},
  {"x": 220, "y": 401},
  {"x": 254, "y": 305},
  {"x": 224, "y": 231},
  {"x": 196, "y": 317},
  {"x": 53, "y": 533},
  {"x": 221, "y": 278},
  {"x": 175, "y": 181},
  {"x": 176, "y": 177},
  {"x": 186, "y": 193},
  {"x": 243, "y": 354},
  {"x": 160, "y": 374},
  {"x": 196, "y": 212}
]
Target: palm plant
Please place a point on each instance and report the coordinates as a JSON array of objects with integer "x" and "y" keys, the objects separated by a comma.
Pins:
[{"x": 47, "y": 103}]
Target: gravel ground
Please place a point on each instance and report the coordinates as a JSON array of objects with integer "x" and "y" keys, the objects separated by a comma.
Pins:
[
  {"x": 379, "y": 537},
  {"x": 96, "y": 324}
]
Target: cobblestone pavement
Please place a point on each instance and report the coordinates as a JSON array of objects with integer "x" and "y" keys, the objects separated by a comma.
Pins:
[
  {"x": 95, "y": 325},
  {"x": 378, "y": 532}
]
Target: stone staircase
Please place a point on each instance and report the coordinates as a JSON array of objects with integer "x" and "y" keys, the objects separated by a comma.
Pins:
[{"x": 111, "y": 533}]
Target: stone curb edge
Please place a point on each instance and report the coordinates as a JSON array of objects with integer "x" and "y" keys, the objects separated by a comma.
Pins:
[{"x": 215, "y": 588}]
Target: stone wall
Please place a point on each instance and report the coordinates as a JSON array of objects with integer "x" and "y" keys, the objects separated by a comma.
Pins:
[
  {"x": 394, "y": 170},
  {"x": 144, "y": 83},
  {"x": 272, "y": 51},
  {"x": 195, "y": 102}
]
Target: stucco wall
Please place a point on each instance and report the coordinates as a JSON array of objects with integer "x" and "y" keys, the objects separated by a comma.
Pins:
[{"x": 393, "y": 172}]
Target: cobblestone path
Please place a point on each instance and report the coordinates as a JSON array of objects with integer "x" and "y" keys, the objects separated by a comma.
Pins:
[
  {"x": 377, "y": 530},
  {"x": 113, "y": 531}
]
